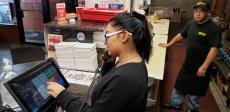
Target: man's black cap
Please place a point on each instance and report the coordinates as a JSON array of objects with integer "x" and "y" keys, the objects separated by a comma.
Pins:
[{"x": 202, "y": 4}]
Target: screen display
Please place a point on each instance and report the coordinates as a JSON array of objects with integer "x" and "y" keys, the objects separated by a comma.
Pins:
[
  {"x": 32, "y": 90},
  {"x": 5, "y": 13}
]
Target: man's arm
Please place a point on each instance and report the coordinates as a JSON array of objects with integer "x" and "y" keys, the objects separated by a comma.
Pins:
[
  {"x": 209, "y": 59},
  {"x": 177, "y": 38}
]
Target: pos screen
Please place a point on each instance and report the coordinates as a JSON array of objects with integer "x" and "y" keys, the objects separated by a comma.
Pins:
[{"x": 30, "y": 88}]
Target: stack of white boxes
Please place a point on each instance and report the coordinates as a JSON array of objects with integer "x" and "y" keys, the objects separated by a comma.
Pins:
[
  {"x": 85, "y": 56},
  {"x": 75, "y": 55},
  {"x": 64, "y": 54}
]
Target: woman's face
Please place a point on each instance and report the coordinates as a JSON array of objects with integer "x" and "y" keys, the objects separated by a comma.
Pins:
[{"x": 112, "y": 42}]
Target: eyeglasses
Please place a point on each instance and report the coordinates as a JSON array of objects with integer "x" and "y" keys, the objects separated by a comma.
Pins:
[
  {"x": 111, "y": 34},
  {"x": 114, "y": 33}
]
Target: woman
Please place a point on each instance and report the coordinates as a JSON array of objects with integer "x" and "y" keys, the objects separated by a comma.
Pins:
[{"x": 124, "y": 87}]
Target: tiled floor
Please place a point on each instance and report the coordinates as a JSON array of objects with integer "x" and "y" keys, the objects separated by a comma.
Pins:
[{"x": 174, "y": 62}]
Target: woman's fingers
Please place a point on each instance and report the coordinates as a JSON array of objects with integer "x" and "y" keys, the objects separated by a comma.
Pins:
[{"x": 54, "y": 89}]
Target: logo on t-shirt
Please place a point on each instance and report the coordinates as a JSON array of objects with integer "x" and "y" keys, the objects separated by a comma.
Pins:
[{"x": 201, "y": 34}]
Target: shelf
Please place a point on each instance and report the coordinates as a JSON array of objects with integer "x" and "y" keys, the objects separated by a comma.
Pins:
[
  {"x": 219, "y": 97},
  {"x": 223, "y": 67},
  {"x": 7, "y": 24}
]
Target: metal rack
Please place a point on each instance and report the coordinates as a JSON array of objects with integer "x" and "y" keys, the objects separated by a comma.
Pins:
[{"x": 222, "y": 96}]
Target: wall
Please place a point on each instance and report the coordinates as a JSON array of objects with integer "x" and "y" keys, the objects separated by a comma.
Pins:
[
  {"x": 184, "y": 5},
  {"x": 9, "y": 34},
  {"x": 227, "y": 9}
]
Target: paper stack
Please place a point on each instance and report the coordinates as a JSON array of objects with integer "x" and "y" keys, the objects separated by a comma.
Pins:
[
  {"x": 64, "y": 54},
  {"x": 79, "y": 77},
  {"x": 79, "y": 81},
  {"x": 85, "y": 56}
]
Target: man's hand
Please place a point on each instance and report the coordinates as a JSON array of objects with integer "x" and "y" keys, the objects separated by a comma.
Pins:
[
  {"x": 201, "y": 72},
  {"x": 54, "y": 89},
  {"x": 164, "y": 45},
  {"x": 177, "y": 38},
  {"x": 209, "y": 59}
]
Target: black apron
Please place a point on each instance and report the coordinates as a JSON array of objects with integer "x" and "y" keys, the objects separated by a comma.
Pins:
[{"x": 187, "y": 81}]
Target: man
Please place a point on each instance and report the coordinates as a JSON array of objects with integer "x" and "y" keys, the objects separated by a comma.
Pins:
[{"x": 203, "y": 39}]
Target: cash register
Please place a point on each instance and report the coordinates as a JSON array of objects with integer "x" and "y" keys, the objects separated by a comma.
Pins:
[{"x": 30, "y": 88}]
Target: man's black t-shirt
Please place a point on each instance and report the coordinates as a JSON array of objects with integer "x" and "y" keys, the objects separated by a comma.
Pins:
[
  {"x": 202, "y": 35},
  {"x": 200, "y": 38}
]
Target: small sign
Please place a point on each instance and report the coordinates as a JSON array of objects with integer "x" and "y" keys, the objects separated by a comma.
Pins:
[
  {"x": 61, "y": 12},
  {"x": 54, "y": 39}
]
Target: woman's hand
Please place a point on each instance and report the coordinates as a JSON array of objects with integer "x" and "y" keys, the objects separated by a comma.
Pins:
[
  {"x": 54, "y": 89},
  {"x": 164, "y": 45}
]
